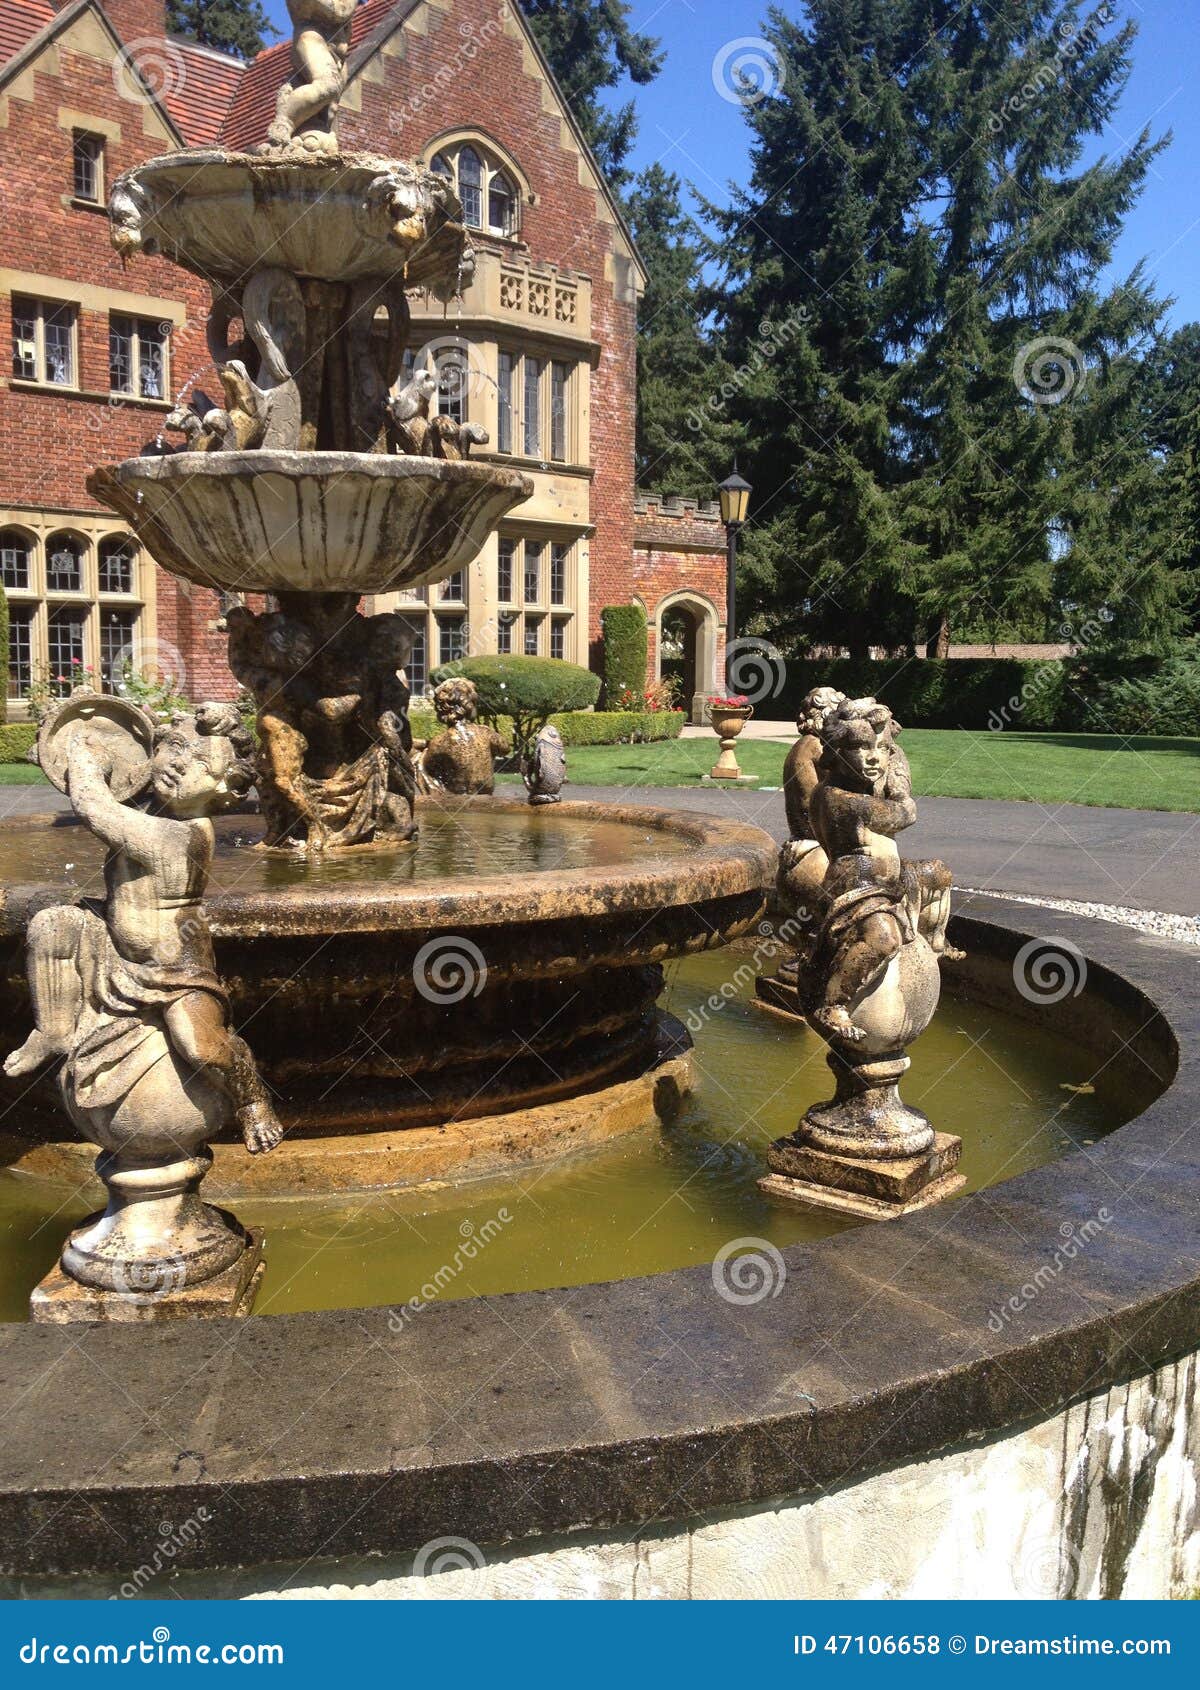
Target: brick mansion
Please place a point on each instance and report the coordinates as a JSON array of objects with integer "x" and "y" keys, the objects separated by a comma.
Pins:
[{"x": 540, "y": 351}]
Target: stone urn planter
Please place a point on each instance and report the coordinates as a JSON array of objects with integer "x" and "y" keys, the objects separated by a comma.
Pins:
[{"x": 728, "y": 716}]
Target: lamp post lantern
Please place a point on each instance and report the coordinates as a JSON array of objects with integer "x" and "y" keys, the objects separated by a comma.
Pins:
[{"x": 734, "y": 495}]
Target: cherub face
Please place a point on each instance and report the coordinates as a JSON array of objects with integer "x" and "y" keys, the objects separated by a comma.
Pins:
[
  {"x": 190, "y": 774},
  {"x": 865, "y": 756}
]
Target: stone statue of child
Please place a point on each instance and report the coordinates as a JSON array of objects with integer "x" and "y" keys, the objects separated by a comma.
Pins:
[
  {"x": 147, "y": 962},
  {"x": 874, "y": 902},
  {"x": 320, "y": 46},
  {"x": 272, "y": 656},
  {"x": 460, "y": 758}
]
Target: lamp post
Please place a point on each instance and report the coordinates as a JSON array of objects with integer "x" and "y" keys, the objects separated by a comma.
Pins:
[{"x": 734, "y": 495}]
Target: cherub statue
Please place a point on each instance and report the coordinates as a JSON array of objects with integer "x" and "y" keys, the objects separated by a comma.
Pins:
[
  {"x": 272, "y": 657},
  {"x": 460, "y": 758},
  {"x": 111, "y": 990},
  {"x": 544, "y": 770},
  {"x": 802, "y": 862},
  {"x": 385, "y": 716},
  {"x": 320, "y": 47},
  {"x": 874, "y": 904}
]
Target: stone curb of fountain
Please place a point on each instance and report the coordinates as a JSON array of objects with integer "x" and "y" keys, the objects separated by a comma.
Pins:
[
  {"x": 1180, "y": 929},
  {"x": 656, "y": 1398}
]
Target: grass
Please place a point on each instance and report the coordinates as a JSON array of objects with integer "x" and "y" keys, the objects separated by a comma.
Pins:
[
  {"x": 21, "y": 774},
  {"x": 1100, "y": 769}
]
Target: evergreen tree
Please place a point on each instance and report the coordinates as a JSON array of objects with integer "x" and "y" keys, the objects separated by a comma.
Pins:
[
  {"x": 1172, "y": 405},
  {"x": 820, "y": 260},
  {"x": 683, "y": 443},
  {"x": 240, "y": 27},
  {"x": 591, "y": 46}
]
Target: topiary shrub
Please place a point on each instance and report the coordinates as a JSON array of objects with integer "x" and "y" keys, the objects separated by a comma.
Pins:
[
  {"x": 15, "y": 741},
  {"x": 625, "y": 651},
  {"x": 529, "y": 690}
]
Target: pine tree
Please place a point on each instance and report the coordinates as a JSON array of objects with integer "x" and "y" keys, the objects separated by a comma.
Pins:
[
  {"x": 820, "y": 264},
  {"x": 683, "y": 444},
  {"x": 591, "y": 46},
  {"x": 240, "y": 27},
  {"x": 1172, "y": 404}
]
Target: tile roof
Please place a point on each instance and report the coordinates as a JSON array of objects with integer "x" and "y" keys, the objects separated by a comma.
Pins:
[
  {"x": 20, "y": 21},
  {"x": 253, "y": 104},
  {"x": 210, "y": 81}
]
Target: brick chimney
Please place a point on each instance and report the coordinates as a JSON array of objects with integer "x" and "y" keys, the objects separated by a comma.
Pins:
[{"x": 137, "y": 20}]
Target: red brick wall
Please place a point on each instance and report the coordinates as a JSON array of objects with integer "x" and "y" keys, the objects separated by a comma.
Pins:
[{"x": 678, "y": 547}]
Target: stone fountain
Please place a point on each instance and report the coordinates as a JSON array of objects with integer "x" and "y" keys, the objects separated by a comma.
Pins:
[{"x": 405, "y": 1025}]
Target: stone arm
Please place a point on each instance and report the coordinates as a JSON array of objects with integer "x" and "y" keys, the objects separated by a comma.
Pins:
[
  {"x": 339, "y": 709},
  {"x": 499, "y": 745},
  {"x": 888, "y": 816},
  {"x": 119, "y": 826},
  {"x": 899, "y": 776}
]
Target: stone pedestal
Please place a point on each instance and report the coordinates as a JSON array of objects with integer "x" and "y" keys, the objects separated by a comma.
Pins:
[
  {"x": 59, "y": 1300},
  {"x": 848, "y": 1185}
]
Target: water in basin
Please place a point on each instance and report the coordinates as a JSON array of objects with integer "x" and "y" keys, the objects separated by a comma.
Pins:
[{"x": 1017, "y": 1094}]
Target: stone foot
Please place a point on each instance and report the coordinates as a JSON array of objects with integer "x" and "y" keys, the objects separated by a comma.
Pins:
[
  {"x": 260, "y": 1127},
  {"x": 37, "y": 1050},
  {"x": 834, "y": 1020}
]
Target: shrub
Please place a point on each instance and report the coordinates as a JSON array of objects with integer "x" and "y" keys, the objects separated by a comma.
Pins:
[
  {"x": 529, "y": 690},
  {"x": 625, "y": 648},
  {"x": 15, "y": 741},
  {"x": 582, "y": 727},
  {"x": 954, "y": 692},
  {"x": 1133, "y": 695}
]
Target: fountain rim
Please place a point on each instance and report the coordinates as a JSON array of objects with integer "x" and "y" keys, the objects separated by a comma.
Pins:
[
  {"x": 642, "y": 1399},
  {"x": 726, "y": 858}
]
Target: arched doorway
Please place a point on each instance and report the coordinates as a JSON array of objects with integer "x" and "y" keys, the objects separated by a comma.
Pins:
[{"x": 687, "y": 640}]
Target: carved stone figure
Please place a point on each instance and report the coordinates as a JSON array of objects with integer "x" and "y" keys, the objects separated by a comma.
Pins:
[
  {"x": 334, "y": 759},
  {"x": 460, "y": 758},
  {"x": 306, "y": 108},
  {"x": 871, "y": 982},
  {"x": 408, "y": 411},
  {"x": 128, "y": 1000},
  {"x": 802, "y": 862},
  {"x": 545, "y": 768}
]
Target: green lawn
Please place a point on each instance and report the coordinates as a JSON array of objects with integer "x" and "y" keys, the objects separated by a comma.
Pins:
[
  {"x": 1132, "y": 774},
  {"x": 21, "y": 774}
]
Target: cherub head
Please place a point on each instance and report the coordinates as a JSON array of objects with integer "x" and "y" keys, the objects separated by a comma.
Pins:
[
  {"x": 202, "y": 764},
  {"x": 456, "y": 701},
  {"x": 858, "y": 745},
  {"x": 815, "y": 708},
  {"x": 391, "y": 640}
]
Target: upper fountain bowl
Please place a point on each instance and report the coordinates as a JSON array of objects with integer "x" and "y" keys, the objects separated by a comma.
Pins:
[
  {"x": 339, "y": 218},
  {"x": 324, "y": 522}
]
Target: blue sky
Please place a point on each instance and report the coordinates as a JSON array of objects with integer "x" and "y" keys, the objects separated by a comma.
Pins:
[{"x": 685, "y": 122}]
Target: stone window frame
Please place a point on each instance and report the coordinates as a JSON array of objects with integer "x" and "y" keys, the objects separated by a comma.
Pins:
[
  {"x": 35, "y": 603},
  {"x": 161, "y": 339},
  {"x": 88, "y": 147},
  {"x": 496, "y": 173},
  {"x": 555, "y": 439},
  {"x": 36, "y": 307}
]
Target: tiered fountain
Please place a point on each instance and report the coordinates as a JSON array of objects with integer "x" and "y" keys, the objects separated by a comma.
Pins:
[{"x": 381, "y": 983}]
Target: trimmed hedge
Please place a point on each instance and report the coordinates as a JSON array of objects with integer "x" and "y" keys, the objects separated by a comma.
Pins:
[
  {"x": 583, "y": 727},
  {"x": 952, "y": 692},
  {"x": 626, "y": 647},
  {"x": 15, "y": 741},
  {"x": 528, "y": 689}
]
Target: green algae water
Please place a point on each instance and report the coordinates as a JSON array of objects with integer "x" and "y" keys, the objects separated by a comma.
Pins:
[{"x": 663, "y": 1198}]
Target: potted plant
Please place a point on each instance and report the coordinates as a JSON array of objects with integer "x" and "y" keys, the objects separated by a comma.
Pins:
[{"x": 728, "y": 715}]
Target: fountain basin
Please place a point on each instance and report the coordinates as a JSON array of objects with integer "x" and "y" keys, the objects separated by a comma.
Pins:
[
  {"x": 318, "y": 522},
  {"x": 339, "y": 219},
  {"x": 374, "y": 999}
]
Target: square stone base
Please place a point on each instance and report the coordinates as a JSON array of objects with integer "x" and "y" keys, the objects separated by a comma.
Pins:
[
  {"x": 846, "y": 1185},
  {"x": 730, "y": 780},
  {"x": 59, "y": 1300}
]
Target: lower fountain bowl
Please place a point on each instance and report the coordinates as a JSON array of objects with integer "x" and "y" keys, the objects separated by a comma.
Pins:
[
  {"x": 387, "y": 989},
  {"x": 314, "y": 522}
]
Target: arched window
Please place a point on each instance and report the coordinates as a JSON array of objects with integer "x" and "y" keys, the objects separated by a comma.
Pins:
[
  {"x": 64, "y": 564},
  {"x": 491, "y": 200},
  {"x": 16, "y": 561}
]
